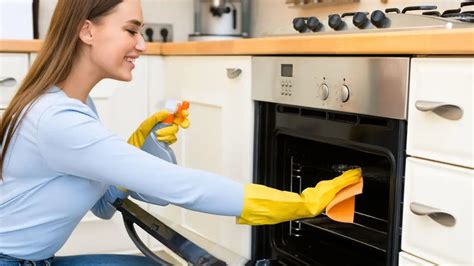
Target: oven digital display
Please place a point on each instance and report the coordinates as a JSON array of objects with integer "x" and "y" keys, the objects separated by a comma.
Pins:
[{"x": 287, "y": 70}]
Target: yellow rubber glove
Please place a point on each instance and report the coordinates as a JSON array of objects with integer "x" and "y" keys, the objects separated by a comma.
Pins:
[
  {"x": 166, "y": 134},
  {"x": 265, "y": 205}
]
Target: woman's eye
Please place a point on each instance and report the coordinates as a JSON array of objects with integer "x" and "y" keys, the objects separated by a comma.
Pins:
[{"x": 132, "y": 32}]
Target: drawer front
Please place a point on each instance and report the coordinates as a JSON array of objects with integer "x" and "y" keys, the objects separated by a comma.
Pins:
[
  {"x": 405, "y": 259},
  {"x": 436, "y": 98},
  {"x": 13, "y": 68},
  {"x": 438, "y": 189}
]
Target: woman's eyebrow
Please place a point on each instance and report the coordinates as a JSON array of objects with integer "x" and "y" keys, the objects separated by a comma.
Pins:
[{"x": 136, "y": 22}]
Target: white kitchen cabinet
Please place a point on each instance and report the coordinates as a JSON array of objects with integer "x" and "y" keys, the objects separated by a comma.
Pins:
[
  {"x": 438, "y": 220},
  {"x": 438, "y": 209},
  {"x": 220, "y": 138},
  {"x": 13, "y": 68},
  {"x": 122, "y": 106},
  {"x": 436, "y": 98}
]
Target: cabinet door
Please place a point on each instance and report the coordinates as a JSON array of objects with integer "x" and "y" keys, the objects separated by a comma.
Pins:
[
  {"x": 219, "y": 139},
  {"x": 440, "y": 114},
  {"x": 13, "y": 68},
  {"x": 438, "y": 212},
  {"x": 121, "y": 107}
]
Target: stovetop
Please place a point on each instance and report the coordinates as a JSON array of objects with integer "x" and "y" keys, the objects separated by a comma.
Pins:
[{"x": 391, "y": 19}]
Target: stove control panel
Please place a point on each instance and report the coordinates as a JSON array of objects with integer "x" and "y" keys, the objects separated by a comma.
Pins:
[
  {"x": 286, "y": 79},
  {"x": 375, "y": 86}
]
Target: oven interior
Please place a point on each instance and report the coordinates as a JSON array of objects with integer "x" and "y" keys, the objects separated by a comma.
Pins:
[{"x": 303, "y": 163}]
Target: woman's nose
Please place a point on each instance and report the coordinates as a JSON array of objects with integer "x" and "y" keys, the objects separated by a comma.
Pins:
[{"x": 140, "y": 46}]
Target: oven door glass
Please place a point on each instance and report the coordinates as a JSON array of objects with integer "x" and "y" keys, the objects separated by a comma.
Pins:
[{"x": 303, "y": 163}]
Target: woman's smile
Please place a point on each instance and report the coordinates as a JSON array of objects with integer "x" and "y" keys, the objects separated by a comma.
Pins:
[{"x": 131, "y": 60}]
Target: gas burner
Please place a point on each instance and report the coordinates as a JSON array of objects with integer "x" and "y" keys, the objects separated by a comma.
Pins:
[
  {"x": 467, "y": 16},
  {"x": 458, "y": 14},
  {"x": 391, "y": 19}
]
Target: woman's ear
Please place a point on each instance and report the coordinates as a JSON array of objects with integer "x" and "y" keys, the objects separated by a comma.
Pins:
[{"x": 86, "y": 32}]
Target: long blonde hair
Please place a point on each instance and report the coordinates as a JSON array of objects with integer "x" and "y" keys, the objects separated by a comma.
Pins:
[{"x": 54, "y": 61}]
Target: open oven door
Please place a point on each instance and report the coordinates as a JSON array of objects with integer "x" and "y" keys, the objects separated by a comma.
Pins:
[{"x": 183, "y": 247}]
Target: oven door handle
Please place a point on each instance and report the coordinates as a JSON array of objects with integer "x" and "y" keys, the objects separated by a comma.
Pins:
[
  {"x": 439, "y": 216},
  {"x": 445, "y": 110}
]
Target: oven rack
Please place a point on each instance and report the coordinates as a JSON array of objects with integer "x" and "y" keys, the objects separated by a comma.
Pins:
[{"x": 361, "y": 234}]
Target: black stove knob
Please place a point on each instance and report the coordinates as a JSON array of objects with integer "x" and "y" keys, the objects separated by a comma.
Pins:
[
  {"x": 360, "y": 20},
  {"x": 299, "y": 24},
  {"x": 335, "y": 22},
  {"x": 314, "y": 24},
  {"x": 379, "y": 19}
]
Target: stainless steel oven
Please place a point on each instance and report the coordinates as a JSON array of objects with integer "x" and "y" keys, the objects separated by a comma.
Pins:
[{"x": 315, "y": 117}]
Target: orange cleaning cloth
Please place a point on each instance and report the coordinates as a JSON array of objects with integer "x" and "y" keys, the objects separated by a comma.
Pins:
[{"x": 342, "y": 207}]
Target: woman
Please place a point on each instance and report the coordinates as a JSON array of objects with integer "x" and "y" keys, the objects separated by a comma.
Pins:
[{"x": 58, "y": 160}]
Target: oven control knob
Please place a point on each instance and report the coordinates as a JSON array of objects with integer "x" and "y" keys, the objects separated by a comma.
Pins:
[
  {"x": 299, "y": 24},
  {"x": 314, "y": 24},
  {"x": 345, "y": 93},
  {"x": 336, "y": 22},
  {"x": 360, "y": 20},
  {"x": 379, "y": 19},
  {"x": 324, "y": 91}
]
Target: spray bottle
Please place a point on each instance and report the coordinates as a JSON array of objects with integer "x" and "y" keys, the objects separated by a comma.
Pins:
[{"x": 160, "y": 149}]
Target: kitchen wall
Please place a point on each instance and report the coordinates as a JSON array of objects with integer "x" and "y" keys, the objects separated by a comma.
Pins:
[
  {"x": 177, "y": 12},
  {"x": 267, "y": 16}
]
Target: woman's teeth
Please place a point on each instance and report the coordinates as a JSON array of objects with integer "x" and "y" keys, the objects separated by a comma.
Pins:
[{"x": 129, "y": 59}]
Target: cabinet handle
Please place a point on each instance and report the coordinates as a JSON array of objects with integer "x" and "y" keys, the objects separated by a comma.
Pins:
[
  {"x": 437, "y": 215},
  {"x": 445, "y": 110},
  {"x": 7, "y": 81},
  {"x": 232, "y": 73}
]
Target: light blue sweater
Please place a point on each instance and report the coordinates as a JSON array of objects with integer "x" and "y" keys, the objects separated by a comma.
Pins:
[{"x": 62, "y": 162}]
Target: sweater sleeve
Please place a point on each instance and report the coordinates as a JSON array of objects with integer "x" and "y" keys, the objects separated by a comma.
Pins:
[
  {"x": 74, "y": 142},
  {"x": 104, "y": 207}
]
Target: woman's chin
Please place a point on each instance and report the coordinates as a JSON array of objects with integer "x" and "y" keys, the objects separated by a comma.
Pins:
[{"x": 124, "y": 77}]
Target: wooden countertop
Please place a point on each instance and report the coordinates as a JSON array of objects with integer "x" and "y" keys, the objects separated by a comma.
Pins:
[
  {"x": 456, "y": 41},
  {"x": 439, "y": 42}
]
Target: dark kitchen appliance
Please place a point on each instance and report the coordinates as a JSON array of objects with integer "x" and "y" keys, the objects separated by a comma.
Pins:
[{"x": 318, "y": 116}]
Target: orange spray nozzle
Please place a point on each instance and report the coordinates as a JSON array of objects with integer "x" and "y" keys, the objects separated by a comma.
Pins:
[{"x": 178, "y": 113}]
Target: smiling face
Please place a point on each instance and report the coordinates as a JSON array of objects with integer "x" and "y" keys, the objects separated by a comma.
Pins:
[{"x": 116, "y": 41}]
